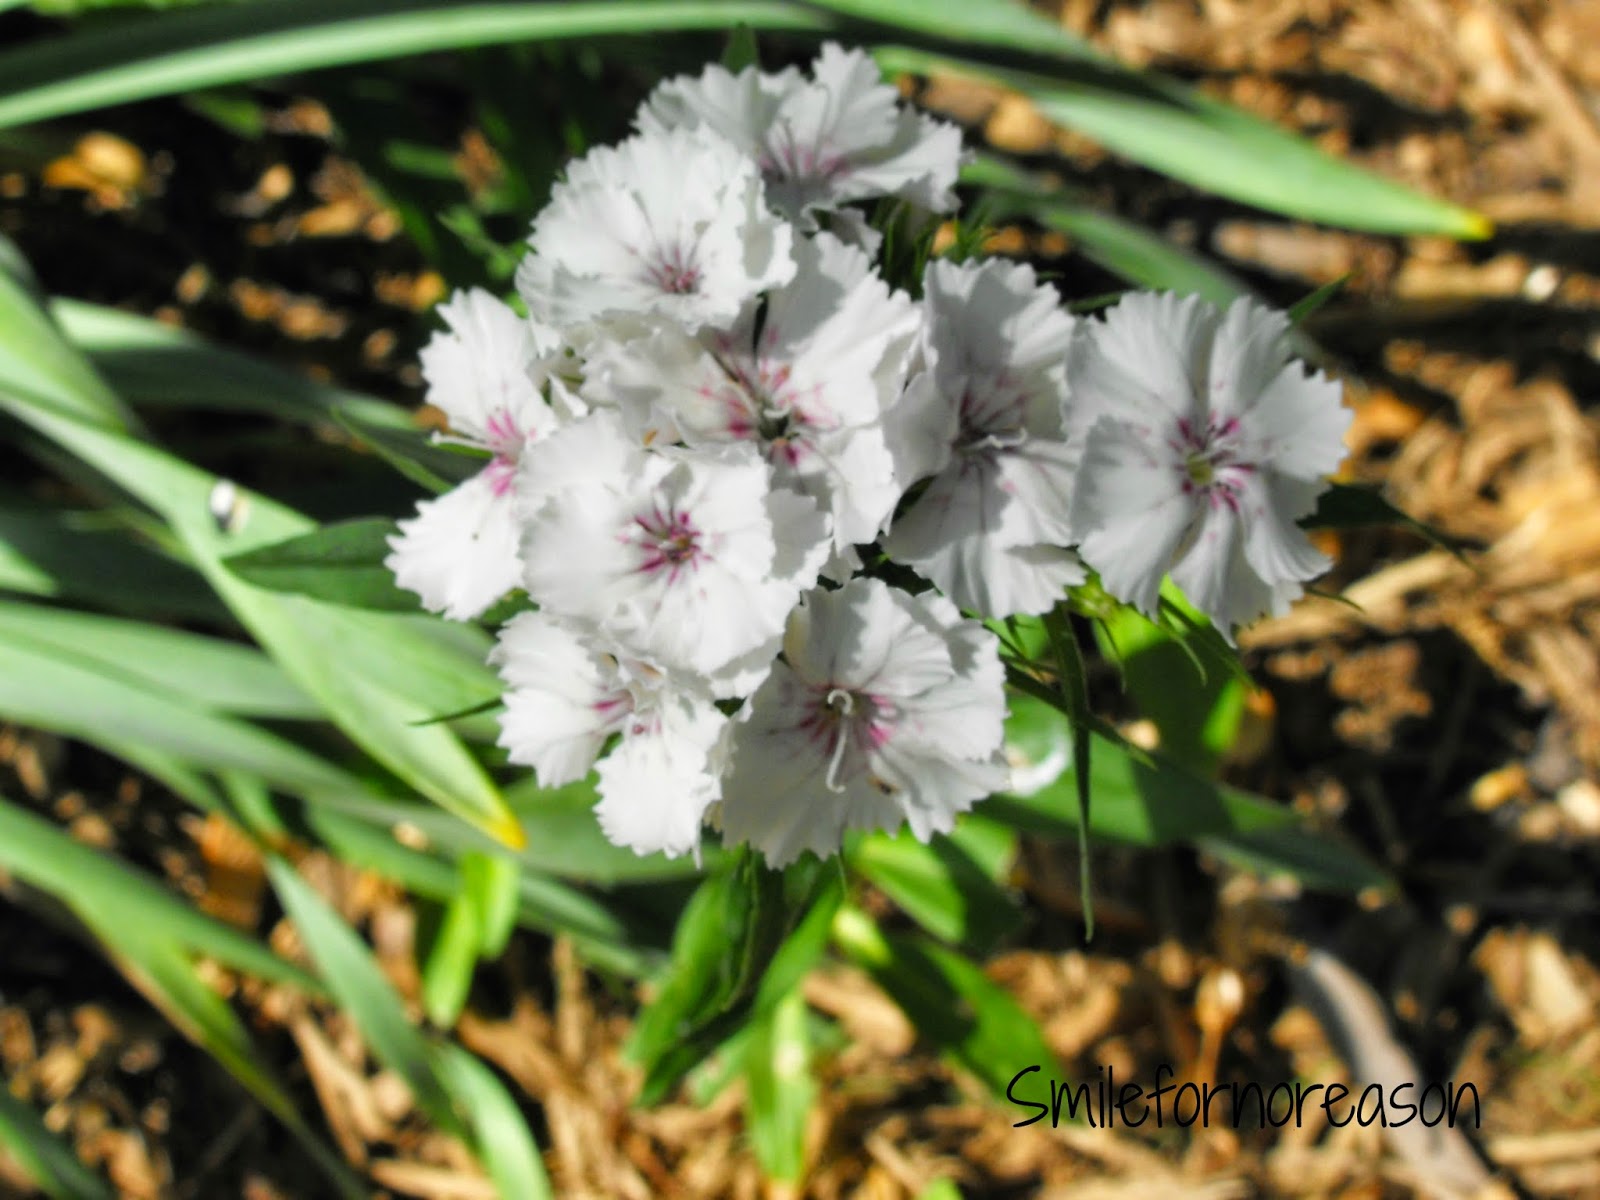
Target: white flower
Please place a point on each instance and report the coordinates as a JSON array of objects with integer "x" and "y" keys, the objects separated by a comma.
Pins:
[
  {"x": 689, "y": 560},
  {"x": 889, "y": 708},
  {"x": 459, "y": 553},
  {"x": 806, "y": 378},
  {"x": 985, "y": 418},
  {"x": 670, "y": 224},
  {"x": 1205, "y": 444},
  {"x": 565, "y": 698},
  {"x": 838, "y": 137}
]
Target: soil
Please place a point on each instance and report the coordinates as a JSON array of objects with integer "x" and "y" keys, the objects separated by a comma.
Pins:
[{"x": 1449, "y": 725}]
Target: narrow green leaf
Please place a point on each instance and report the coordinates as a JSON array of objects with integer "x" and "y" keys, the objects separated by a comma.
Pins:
[
  {"x": 940, "y": 884},
  {"x": 1002, "y": 24},
  {"x": 972, "y": 1021},
  {"x": 1309, "y": 304},
  {"x": 99, "y": 66},
  {"x": 224, "y": 677},
  {"x": 1072, "y": 680},
  {"x": 1209, "y": 144},
  {"x": 353, "y": 977},
  {"x": 340, "y": 563},
  {"x": 1139, "y": 798},
  {"x": 88, "y": 558},
  {"x": 499, "y": 1132},
  {"x": 1113, "y": 242},
  {"x": 490, "y": 880},
  {"x": 48, "y": 1160},
  {"x": 449, "y": 961},
  {"x": 780, "y": 1089},
  {"x": 1353, "y": 506},
  {"x": 50, "y": 688},
  {"x": 372, "y": 673},
  {"x": 105, "y": 893},
  {"x": 741, "y": 50}
]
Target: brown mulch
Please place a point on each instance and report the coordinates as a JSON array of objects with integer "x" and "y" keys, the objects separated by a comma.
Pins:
[{"x": 1450, "y": 723}]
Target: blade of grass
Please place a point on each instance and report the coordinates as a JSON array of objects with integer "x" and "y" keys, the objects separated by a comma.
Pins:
[
  {"x": 48, "y": 1161},
  {"x": 134, "y": 60}
]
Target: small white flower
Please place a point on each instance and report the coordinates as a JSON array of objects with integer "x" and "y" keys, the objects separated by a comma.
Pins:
[
  {"x": 459, "y": 553},
  {"x": 669, "y": 224},
  {"x": 1204, "y": 445},
  {"x": 888, "y": 709},
  {"x": 689, "y": 560},
  {"x": 840, "y": 136},
  {"x": 565, "y": 698},
  {"x": 985, "y": 419},
  {"x": 806, "y": 378}
]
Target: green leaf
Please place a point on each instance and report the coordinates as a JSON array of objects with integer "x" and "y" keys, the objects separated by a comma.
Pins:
[
  {"x": 1309, "y": 304},
  {"x": 489, "y": 879},
  {"x": 1209, "y": 144},
  {"x": 46, "y": 1159},
  {"x": 356, "y": 982},
  {"x": 499, "y": 1132},
  {"x": 88, "y": 558},
  {"x": 780, "y": 1089},
  {"x": 98, "y": 66},
  {"x": 224, "y": 677},
  {"x": 34, "y": 361},
  {"x": 374, "y": 674},
  {"x": 1143, "y": 799},
  {"x": 741, "y": 50},
  {"x": 106, "y": 894},
  {"x": 1353, "y": 506},
  {"x": 728, "y": 960},
  {"x": 1001, "y": 24},
  {"x": 449, "y": 960},
  {"x": 941, "y": 884},
  {"x": 340, "y": 563},
  {"x": 1113, "y": 242},
  {"x": 1139, "y": 798},
  {"x": 973, "y": 1022},
  {"x": 52, "y": 688}
]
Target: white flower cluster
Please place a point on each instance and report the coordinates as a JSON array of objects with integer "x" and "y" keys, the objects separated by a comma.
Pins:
[{"x": 716, "y": 404}]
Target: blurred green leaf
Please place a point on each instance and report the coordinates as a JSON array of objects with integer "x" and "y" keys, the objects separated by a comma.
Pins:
[
  {"x": 1309, "y": 304},
  {"x": 1002, "y": 24},
  {"x": 106, "y": 894},
  {"x": 449, "y": 958},
  {"x": 728, "y": 963},
  {"x": 1113, "y": 242},
  {"x": 941, "y": 884},
  {"x": 780, "y": 1089},
  {"x": 225, "y": 677},
  {"x": 354, "y": 979},
  {"x": 1353, "y": 506},
  {"x": 953, "y": 1005},
  {"x": 500, "y": 1135},
  {"x": 1209, "y": 144},
  {"x": 52, "y": 688},
  {"x": 85, "y": 557},
  {"x": 99, "y": 66},
  {"x": 741, "y": 50},
  {"x": 46, "y": 1159},
  {"x": 1138, "y": 798},
  {"x": 368, "y": 671},
  {"x": 340, "y": 563},
  {"x": 490, "y": 880},
  {"x": 1145, "y": 800}
]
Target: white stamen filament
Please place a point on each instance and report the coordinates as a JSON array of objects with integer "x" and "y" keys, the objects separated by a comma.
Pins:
[{"x": 844, "y": 704}]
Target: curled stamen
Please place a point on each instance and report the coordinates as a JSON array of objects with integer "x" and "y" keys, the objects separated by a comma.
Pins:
[{"x": 844, "y": 704}]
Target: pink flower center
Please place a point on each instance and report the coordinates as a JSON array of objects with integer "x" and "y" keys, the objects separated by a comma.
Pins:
[
  {"x": 675, "y": 273},
  {"x": 669, "y": 542},
  {"x": 1212, "y": 460},
  {"x": 504, "y": 439},
  {"x": 838, "y": 721}
]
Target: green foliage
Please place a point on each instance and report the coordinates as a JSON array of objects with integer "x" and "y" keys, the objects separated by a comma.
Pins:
[{"x": 340, "y": 563}]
